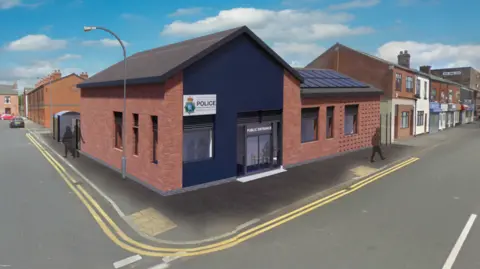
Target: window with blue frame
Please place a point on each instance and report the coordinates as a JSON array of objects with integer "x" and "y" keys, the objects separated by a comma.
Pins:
[{"x": 351, "y": 120}]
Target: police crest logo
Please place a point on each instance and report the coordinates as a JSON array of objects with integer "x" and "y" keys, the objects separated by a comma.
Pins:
[{"x": 189, "y": 106}]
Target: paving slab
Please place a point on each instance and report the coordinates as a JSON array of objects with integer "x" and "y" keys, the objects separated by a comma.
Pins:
[{"x": 210, "y": 213}]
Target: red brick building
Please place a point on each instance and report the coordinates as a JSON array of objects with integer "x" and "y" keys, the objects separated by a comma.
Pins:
[
  {"x": 217, "y": 108},
  {"x": 9, "y": 99},
  {"x": 396, "y": 80},
  {"x": 54, "y": 94}
]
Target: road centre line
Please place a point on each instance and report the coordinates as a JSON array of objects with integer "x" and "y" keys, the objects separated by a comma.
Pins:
[
  {"x": 127, "y": 261},
  {"x": 458, "y": 245},
  {"x": 84, "y": 196}
]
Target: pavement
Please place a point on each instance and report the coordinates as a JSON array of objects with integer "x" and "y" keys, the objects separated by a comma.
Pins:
[
  {"x": 420, "y": 216},
  {"x": 78, "y": 214},
  {"x": 215, "y": 213},
  {"x": 210, "y": 214}
]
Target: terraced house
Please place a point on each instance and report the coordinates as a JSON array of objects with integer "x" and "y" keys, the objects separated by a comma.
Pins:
[
  {"x": 400, "y": 118},
  {"x": 9, "y": 99},
  {"x": 54, "y": 94}
]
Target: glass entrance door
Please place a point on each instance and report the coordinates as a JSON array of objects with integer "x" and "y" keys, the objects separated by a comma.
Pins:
[{"x": 259, "y": 152}]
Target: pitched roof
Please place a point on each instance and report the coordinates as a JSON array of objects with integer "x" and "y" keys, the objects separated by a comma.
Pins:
[
  {"x": 159, "y": 64},
  {"x": 418, "y": 72},
  {"x": 7, "y": 89},
  {"x": 53, "y": 81},
  {"x": 326, "y": 81}
]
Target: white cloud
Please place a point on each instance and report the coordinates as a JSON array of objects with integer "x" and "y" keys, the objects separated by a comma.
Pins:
[
  {"x": 68, "y": 56},
  {"x": 186, "y": 11},
  {"x": 106, "y": 42},
  {"x": 355, "y": 4},
  {"x": 435, "y": 54},
  {"x": 284, "y": 25},
  {"x": 298, "y": 54},
  {"x": 36, "y": 43},
  {"x": 7, "y": 4}
]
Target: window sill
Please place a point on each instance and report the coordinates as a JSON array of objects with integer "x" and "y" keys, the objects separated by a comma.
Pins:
[
  {"x": 118, "y": 149},
  {"x": 330, "y": 138},
  {"x": 308, "y": 142},
  {"x": 354, "y": 134}
]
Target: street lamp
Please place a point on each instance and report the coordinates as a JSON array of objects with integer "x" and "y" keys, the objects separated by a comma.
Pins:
[{"x": 124, "y": 159}]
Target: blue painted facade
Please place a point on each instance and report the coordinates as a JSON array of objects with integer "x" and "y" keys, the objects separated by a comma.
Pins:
[{"x": 244, "y": 78}]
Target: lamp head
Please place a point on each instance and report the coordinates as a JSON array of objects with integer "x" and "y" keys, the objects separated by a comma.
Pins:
[{"x": 89, "y": 28}]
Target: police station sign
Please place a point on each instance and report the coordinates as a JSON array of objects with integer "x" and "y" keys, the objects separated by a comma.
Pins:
[{"x": 195, "y": 105}]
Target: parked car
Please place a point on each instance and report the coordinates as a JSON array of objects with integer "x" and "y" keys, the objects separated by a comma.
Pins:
[
  {"x": 7, "y": 117},
  {"x": 17, "y": 122}
]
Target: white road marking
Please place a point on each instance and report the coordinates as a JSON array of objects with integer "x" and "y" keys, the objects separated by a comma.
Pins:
[
  {"x": 126, "y": 261},
  {"x": 458, "y": 245}
]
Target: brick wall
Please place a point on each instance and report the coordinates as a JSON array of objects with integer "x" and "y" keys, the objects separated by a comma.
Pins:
[
  {"x": 358, "y": 66},
  {"x": 296, "y": 152},
  {"x": 403, "y": 92},
  {"x": 404, "y": 132},
  {"x": 164, "y": 101}
]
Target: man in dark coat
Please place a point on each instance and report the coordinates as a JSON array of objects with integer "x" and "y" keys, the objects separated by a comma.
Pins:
[
  {"x": 67, "y": 140},
  {"x": 376, "y": 141}
]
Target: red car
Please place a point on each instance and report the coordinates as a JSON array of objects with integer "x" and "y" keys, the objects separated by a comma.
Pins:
[{"x": 7, "y": 117}]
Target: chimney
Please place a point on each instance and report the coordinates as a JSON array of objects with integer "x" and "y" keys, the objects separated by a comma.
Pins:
[
  {"x": 56, "y": 74},
  {"x": 15, "y": 85},
  {"x": 84, "y": 75},
  {"x": 404, "y": 59},
  {"x": 426, "y": 69}
]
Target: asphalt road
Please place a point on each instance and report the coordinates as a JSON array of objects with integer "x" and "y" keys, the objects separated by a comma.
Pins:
[
  {"x": 411, "y": 218},
  {"x": 43, "y": 224}
]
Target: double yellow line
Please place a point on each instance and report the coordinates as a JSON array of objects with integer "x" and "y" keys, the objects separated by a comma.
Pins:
[{"x": 114, "y": 233}]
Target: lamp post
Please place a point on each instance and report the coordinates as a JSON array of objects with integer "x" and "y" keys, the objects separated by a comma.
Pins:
[{"x": 124, "y": 159}]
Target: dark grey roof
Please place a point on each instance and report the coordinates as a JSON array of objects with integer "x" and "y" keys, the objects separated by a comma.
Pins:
[
  {"x": 323, "y": 82},
  {"x": 159, "y": 64},
  {"x": 7, "y": 89},
  {"x": 326, "y": 78}
]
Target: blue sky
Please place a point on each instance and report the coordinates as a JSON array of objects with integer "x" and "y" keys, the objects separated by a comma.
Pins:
[{"x": 41, "y": 35}]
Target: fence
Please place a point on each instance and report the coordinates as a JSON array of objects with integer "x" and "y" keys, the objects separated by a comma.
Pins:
[{"x": 386, "y": 128}]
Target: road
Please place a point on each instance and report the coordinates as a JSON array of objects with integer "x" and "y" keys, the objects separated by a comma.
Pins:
[
  {"x": 411, "y": 218},
  {"x": 42, "y": 223}
]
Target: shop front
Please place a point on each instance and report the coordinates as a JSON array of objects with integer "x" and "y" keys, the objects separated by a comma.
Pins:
[
  {"x": 434, "y": 123},
  {"x": 467, "y": 111},
  {"x": 443, "y": 116}
]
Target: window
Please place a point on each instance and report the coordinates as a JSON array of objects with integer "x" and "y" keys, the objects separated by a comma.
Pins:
[
  {"x": 118, "y": 129},
  {"x": 433, "y": 95},
  {"x": 135, "y": 134},
  {"x": 409, "y": 84},
  {"x": 404, "y": 123},
  {"x": 398, "y": 82},
  {"x": 6, "y": 99},
  {"x": 425, "y": 90},
  {"x": 351, "y": 120},
  {"x": 309, "y": 124},
  {"x": 330, "y": 111},
  {"x": 154, "y": 138},
  {"x": 420, "y": 117},
  {"x": 197, "y": 138},
  {"x": 418, "y": 87}
]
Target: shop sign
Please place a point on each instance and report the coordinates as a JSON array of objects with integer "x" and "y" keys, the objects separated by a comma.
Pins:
[
  {"x": 444, "y": 107},
  {"x": 452, "y": 73},
  {"x": 452, "y": 107},
  {"x": 259, "y": 129},
  {"x": 195, "y": 105},
  {"x": 435, "y": 107}
]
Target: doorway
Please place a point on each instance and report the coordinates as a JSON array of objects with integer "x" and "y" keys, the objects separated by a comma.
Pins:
[
  {"x": 8, "y": 110},
  {"x": 256, "y": 147}
]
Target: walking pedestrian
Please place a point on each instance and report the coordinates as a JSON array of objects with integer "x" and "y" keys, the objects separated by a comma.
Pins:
[
  {"x": 376, "y": 141},
  {"x": 67, "y": 140}
]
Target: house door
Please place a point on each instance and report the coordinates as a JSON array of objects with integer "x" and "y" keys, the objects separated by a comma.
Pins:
[{"x": 8, "y": 110}]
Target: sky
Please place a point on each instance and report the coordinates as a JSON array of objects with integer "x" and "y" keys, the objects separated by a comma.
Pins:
[{"x": 39, "y": 36}]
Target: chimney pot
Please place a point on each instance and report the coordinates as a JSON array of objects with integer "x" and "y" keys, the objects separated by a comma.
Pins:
[{"x": 404, "y": 59}]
